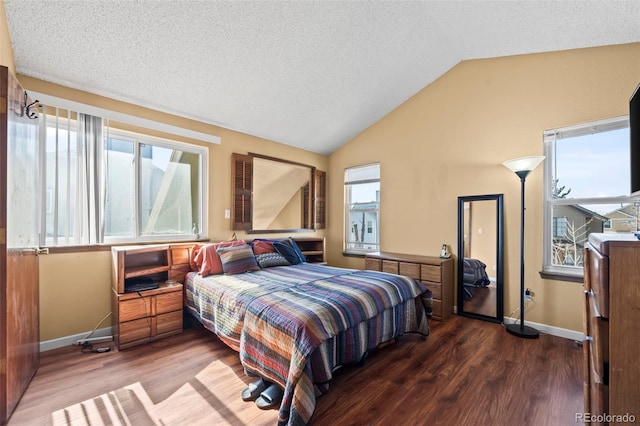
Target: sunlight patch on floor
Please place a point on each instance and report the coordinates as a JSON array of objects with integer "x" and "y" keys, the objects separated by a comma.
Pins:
[{"x": 211, "y": 397}]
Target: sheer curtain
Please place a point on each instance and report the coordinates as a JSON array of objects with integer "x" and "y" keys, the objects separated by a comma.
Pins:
[
  {"x": 90, "y": 194},
  {"x": 72, "y": 154}
]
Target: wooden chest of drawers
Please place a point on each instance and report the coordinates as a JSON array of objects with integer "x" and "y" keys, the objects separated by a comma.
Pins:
[
  {"x": 147, "y": 315},
  {"x": 434, "y": 272},
  {"x": 143, "y": 316},
  {"x": 611, "y": 327}
]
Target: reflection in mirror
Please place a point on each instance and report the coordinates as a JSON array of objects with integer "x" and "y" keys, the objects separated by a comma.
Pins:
[
  {"x": 480, "y": 252},
  {"x": 279, "y": 193},
  {"x": 274, "y": 195}
]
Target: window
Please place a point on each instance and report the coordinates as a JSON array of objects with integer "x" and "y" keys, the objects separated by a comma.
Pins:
[
  {"x": 586, "y": 190},
  {"x": 106, "y": 185},
  {"x": 362, "y": 223}
]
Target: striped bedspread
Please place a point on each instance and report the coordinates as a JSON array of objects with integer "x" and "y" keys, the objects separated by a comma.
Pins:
[{"x": 295, "y": 324}]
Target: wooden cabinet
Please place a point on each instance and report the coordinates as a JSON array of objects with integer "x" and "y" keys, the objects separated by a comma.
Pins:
[
  {"x": 611, "y": 327},
  {"x": 143, "y": 316},
  {"x": 434, "y": 272}
]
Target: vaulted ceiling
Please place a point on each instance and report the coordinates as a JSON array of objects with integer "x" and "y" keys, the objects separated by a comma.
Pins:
[{"x": 311, "y": 74}]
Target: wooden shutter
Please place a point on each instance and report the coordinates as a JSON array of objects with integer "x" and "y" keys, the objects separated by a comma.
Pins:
[
  {"x": 307, "y": 209},
  {"x": 242, "y": 181},
  {"x": 320, "y": 203}
]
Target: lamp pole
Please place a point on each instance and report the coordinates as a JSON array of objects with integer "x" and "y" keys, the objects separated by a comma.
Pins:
[
  {"x": 522, "y": 330},
  {"x": 522, "y": 167}
]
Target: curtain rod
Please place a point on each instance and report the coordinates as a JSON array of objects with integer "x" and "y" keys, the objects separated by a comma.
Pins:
[{"x": 55, "y": 101}]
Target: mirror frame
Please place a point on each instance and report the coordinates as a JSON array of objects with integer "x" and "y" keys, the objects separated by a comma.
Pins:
[
  {"x": 242, "y": 195},
  {"x": 499, "y": 202}
]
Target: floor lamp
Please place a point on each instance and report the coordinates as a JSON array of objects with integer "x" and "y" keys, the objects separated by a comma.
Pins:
[{"x": 522, "y": 167}]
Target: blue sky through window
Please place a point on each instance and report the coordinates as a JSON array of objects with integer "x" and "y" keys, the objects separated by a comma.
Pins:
[{"x": 594, "y": 165}]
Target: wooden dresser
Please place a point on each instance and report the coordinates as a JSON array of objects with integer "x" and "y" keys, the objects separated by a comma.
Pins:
[
  {"x": 147, "y": 315},
  {"x": 434, "y": 272},
  {"x": 611, "y": 327}
]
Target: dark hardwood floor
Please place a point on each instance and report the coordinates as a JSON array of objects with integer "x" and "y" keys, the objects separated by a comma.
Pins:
[{"x": 467, "y": 372}]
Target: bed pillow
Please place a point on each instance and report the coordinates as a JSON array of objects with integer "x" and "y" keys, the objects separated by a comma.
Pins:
[
  {"x": 209, "y": 259},
  {"x": 267, "y": 260},
  {"x": 262, "y": 246},
  {"x": 192, "y": 257},
  {"x": 237, "y": 259},
  {"x": 297, "y": 250},
  {"x": 285, "y": 249}
]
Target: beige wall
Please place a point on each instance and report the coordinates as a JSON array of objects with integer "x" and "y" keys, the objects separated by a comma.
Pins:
[
  {"x": 6, "y": 51},
  {"x": 450, "y": 140},
  {"x": 74, "y": 288}
]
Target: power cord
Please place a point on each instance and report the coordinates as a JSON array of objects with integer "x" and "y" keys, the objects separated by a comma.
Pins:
[
  {"x": 97, "y": 325},
  {"x": 517, "y": 320}
]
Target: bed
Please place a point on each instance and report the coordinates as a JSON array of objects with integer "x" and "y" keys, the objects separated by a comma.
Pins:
[
  {"x": 294, "y": 325},
  {"x": 474, "y": 275}
]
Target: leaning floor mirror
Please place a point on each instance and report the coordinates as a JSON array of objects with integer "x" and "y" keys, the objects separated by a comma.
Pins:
[{"x": 480, "y": 257}]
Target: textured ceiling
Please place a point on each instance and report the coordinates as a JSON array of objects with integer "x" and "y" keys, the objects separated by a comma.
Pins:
[{"x": 311, "y": 74}]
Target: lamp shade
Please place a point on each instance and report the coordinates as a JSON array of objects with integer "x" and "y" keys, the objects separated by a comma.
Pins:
[{"x": 523, "y": 164}]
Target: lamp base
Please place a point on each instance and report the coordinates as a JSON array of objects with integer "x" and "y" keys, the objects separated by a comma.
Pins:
[{"x": 523, "y": 331}]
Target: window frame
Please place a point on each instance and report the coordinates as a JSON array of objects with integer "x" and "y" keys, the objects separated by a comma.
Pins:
[
  {"x": 549, "y": 269},
  {"x": 138, "y": 138},
  {"x": 347, "y": 211}
]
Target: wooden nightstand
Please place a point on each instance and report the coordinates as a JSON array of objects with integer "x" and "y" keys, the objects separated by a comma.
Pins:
[{"x": 143, "y": 316}]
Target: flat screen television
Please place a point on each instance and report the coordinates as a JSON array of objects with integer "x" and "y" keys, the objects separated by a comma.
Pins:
[{"x": 634, "y": 143}]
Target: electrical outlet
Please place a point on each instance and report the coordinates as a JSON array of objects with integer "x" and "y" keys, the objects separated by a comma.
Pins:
[{"x": 528, "y": 295}]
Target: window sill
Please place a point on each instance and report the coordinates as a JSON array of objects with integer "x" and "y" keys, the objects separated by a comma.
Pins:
[
  {"x": 348, "y": 254},
  {"x": 546, "y": 275}
]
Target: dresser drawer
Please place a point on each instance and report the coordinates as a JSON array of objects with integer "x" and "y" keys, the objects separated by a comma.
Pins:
[
  {"x": 409, "y": 269},
  {"x": 170, "y": 322},
  {"x": 598, "y": 400},
  {"x": 372, "y": 264},
  {"x": 430, "y": 273},
  {"x": 598, "y": 341},
  {"x": 390, "y": 266},
  {"x": 436, "y": 289},
  {"x": 599, "y": 281},
  {"x": 131, "y": 309},
  {"x": 169, "y": 302},
  {"x": 135, "y": 330}
]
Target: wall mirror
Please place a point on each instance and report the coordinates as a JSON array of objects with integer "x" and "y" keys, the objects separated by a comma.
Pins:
[
  {"x": 274, "y": 195},
  {"x": 480, "y": 257}
]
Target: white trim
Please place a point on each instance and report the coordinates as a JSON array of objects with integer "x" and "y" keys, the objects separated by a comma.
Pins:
[
  {"x": 543, "y": 328},
  {"x": 548, "y": 329},
  {"x": 123, "y": 118},
  {"x": 606, "y": 125},
  {"x": 48, "y": 345},
  {"x": 60, "y": 342}
]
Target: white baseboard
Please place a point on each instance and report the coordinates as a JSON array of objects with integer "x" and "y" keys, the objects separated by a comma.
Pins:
[
  {"x": 60, "y": 342},
  {"x": 548, "y": 329},
  {"x": 104, "y": 332},
  {"x": 544, "y": 328}
]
